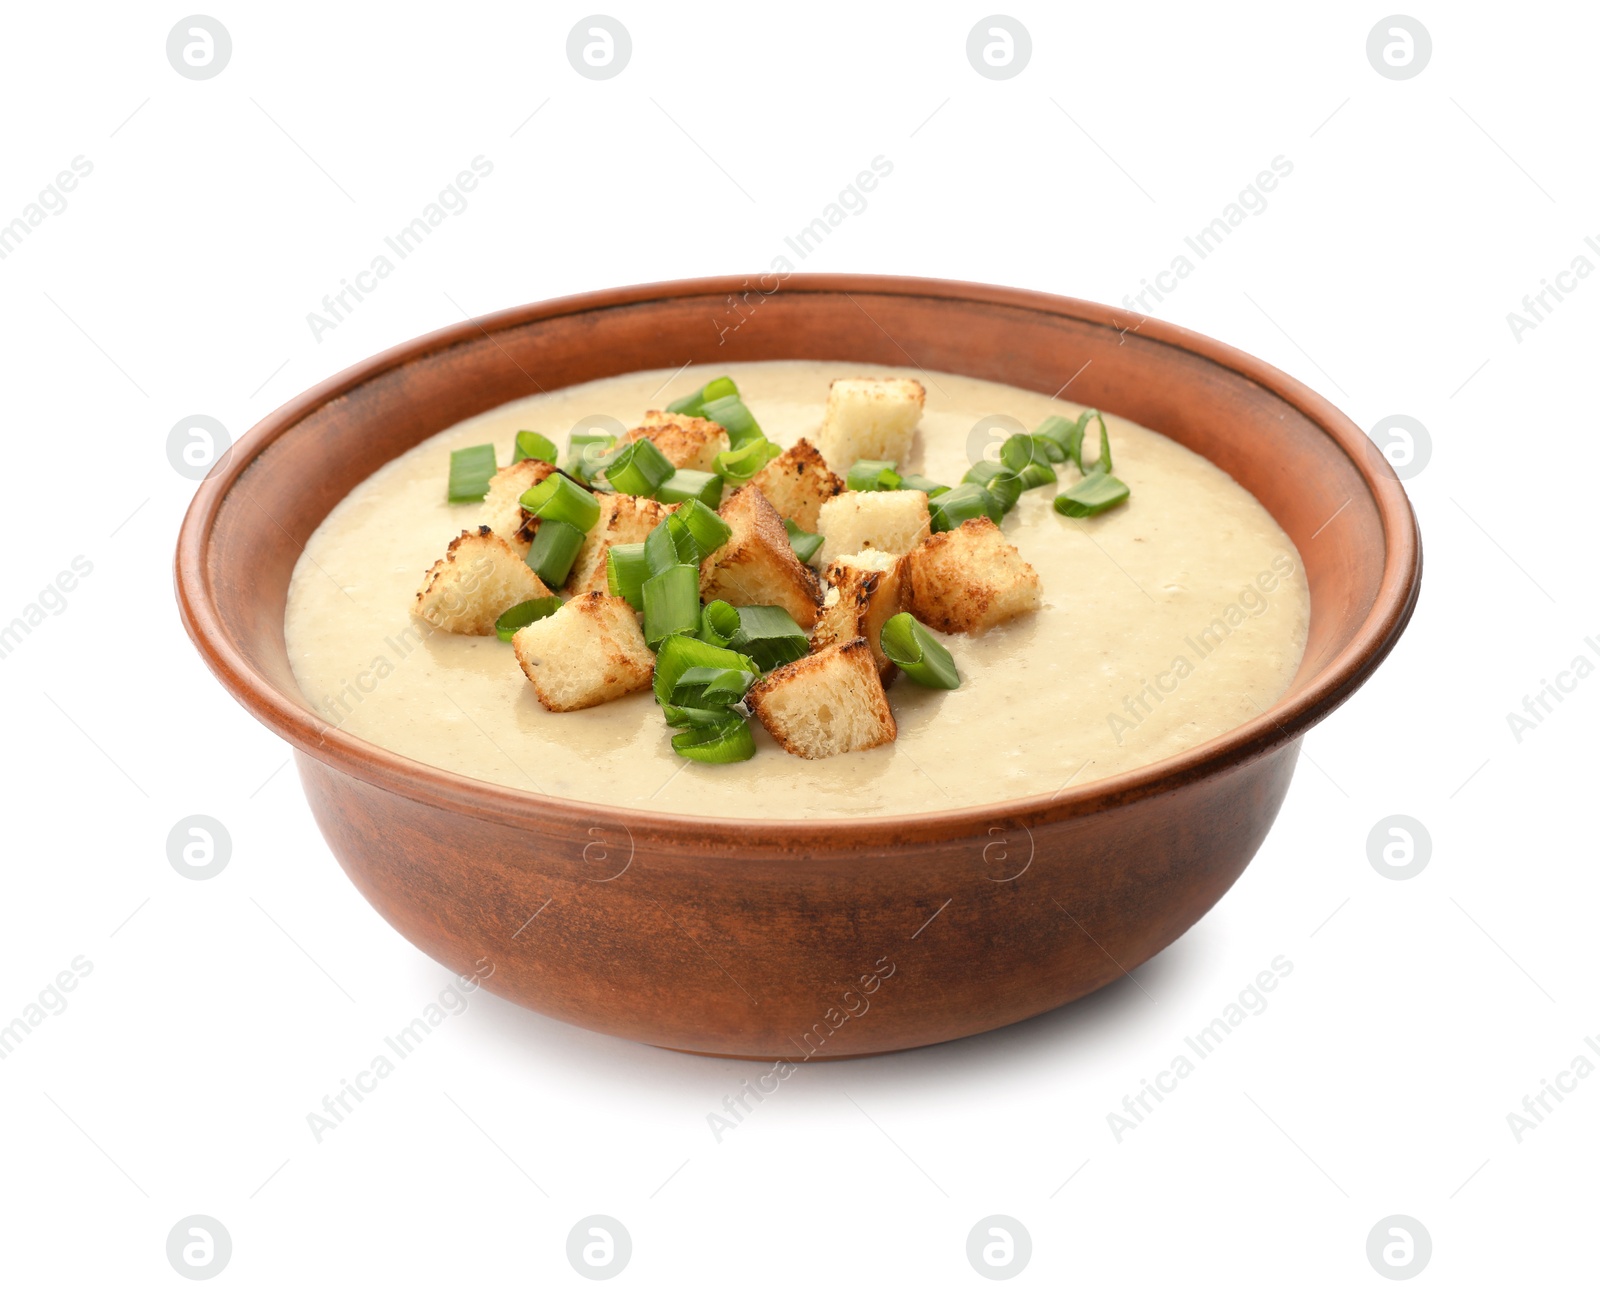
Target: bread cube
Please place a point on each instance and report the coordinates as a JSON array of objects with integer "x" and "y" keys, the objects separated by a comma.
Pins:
[
  {"x": 870, "y": 418},
  {"x": 967, "y": 580},
  {"x": 479, "y": 577},
  {"x": 502, "y": 510},
  {"x": 686, "y": 442},
  {"x": 624, "y": 519},
  {"x": 825, "y": 704},
  {"x": 864, "y": 591},
  {"x": 588, "y": 652},
  {"x": 757, "y": 566},
  {"x": 893, "y": 521},
  {"x": 797, "y": 483}
]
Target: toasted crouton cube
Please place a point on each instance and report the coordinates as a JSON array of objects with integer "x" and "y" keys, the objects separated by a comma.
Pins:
[
  {"x": 479, "y": 577},
  {"x": 893, "y": 521},
  {"x": 870, "y": 418},
  {"x": 624, "y": 519},
  {"x": 825, "y": 704},
  {"x": 686, "y": 442},
  {"x": 757, "y": 566},
  {"x": 864, "y": 591},
  {"x": 797, "y": 483},
  {"x": 502, "y": 510},
  {"x": 589, "y": 651},
  {"x": 967, "y": 580}
]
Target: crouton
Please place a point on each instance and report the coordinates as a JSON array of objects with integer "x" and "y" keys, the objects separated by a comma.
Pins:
[
  {"x": 893, "y": 521},
  {"x": 589, "y": 651},
  {"x": 479, "y": 577},
  {"x": 869, "y": 418},
  {"x": 797, "y": 483},
  {"x": 624, "y": 519},
  {"x": 967, "y": 580},
  {"x": 502, "y": 510},
  {"x": 757, "y": 566},
  {"x": 686, "y": 442},
  {"x": 864, "y": 591},
  {"x": 825, "y": 704}
]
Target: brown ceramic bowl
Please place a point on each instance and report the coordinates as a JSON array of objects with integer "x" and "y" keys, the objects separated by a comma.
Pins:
[{"x": 776, "y": 939}]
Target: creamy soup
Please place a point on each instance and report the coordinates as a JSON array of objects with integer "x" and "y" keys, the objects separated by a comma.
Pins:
[{"x": 1165, "y": 622}]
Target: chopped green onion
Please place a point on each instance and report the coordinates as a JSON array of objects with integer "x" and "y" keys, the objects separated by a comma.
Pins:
[
  {"x": 560, "y": 499},
  {"x": 1017, "y": 452},
  {"x": 1096, "y": 493},
  {"x": 712, "y": 686},
  {"x": 961, "y": 504},
  {"x": 708, "y": 531},
  {"x": 524, "y": 614},
  {"x": 1103, "y": 463},
  {"x": 806, "y": 543},
  {"x": 694, "y": 404},
  {"x": 637, "y": 468},
  {"x": 929, "y": 487},
  {"x": 533, "y": 445},
  {"x": 1047, "y": 448},
  {"x": 734, "y": 417},
  {"x": 872, "y": 475},
  {"x": 721, "y": 746},
  {"x": 584, "y": 452},
  {"x": 626, "y": 573},
  {"x": 555, "y": 546},
  {"x": 1037, "y": 474},
  {"x": 688, "y": 484},
  {"x": 470, "y": 470},
  {"x": 1061, "y": 433},
  {"x": 910, "y": 645},
  {"x": 719, "y": 622},
  {"x": 999, "y": 481},
  {"x": 671, "y": 603},
  {"x": 744, "y": 463},
  {"x": 770, "y": 637},
  {"x": 665, "y": 548},
  {"x": 680, "y": 653}
]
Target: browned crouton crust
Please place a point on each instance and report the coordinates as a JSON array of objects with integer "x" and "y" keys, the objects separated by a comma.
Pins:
[
  {"x": 967, "y": 580},
  {"x": 757, "y": 566},
  {"x": 624, "y": 519},
  {"x": 479, "y": 577},
  {"x": 825, "y": 704},
  {"x": 858, "y": 601},
  {"x": 588, "y": 652},
  {"x": 797, "y": 483},
  {"x": 686, "y": 442}
]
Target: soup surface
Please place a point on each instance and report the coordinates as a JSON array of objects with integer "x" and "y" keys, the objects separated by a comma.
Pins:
[{"x": 1165, "y": 622}]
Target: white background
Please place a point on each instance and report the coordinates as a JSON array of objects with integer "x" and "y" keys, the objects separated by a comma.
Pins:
[{"x": 1419, "y": 1013}]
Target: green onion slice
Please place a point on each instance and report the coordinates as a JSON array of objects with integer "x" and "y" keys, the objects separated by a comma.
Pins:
[
  {"x": 770, "y": 637},
  {"x": 735, "y": 418},
  {"x": 1096, "y": 493},
  {"x": 1103, "y": 463},
  {"x": 872, "y": 475},
  {"x": 560, "y": 499},
  {"x": 1047, "y": 448},
  {"x": 554, "y": 549},
  {"x": 744, "y": 463},
  {"x": 731, "y": 742},
  {"x": 626, "y": 572},
  {"x": 999, "y": 481},
  {"x": 712, "y": 686},
  {"x": 910, "y": 645},
  {"x": 663, "y": 548},
  {"x": 806, "y": 543},
  {"x": 1037, "y": 474},
  {"x": 585, "y": 450},
  {"x": 671, "y": 603},
  {"x": 470, "y": 470},
  {"x": 533, "y": 445},
  {"x": 680, "y": 653},
  {"x": 719, "y": 622},
  {"x": 690, "y": 483},
  {"x": 637, "y": 468},
  {"x": 708, "y": 531},
  {"x": 961, "y": 504},
  {"x": 694, "y": 404},
  {"x": 524, "y": 614},
  {"x": 929, "y": 487}
]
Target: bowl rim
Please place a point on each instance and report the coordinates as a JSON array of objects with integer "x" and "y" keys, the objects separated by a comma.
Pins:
[{"x": 1285, "y": 721}]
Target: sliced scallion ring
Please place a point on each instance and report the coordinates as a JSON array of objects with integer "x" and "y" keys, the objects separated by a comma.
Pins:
[
  {"x": 470, "y": 470},
  {"x": 558, "y": 498},
  {"x": 910, "y": 645},
  {"x": 872, "y": 475},
  {"x": 929, "y": 487},
  {"x": 719, "y": 622},
  {"x": 734, "y": 417},
  {"x": 742, "y": 464},
  {"x": 524, "y": 614},
  {"x": 1096, "y": 493},
  {"x": 637, "y": 468},
  {"x": 694, "y": 404},
  {"x": 626, "y": 572},
  {"x": 534, "y": 445},
  {"x": 585, "y": 450},
  {"x": 681, "y": 652},
  {"x": 671, "y": 603},
  {"x": 770, "y": 637},
  {"x": 725, "y": 745},
  {"x": 962, "y": 503},
  {"x": 805, "y": 543},
  {"x": 688, "y": 484},
  {"x": 1003, "y": 485},
  {"x": 708, "y": 531},
  {"x": 555, "y": 546}
]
